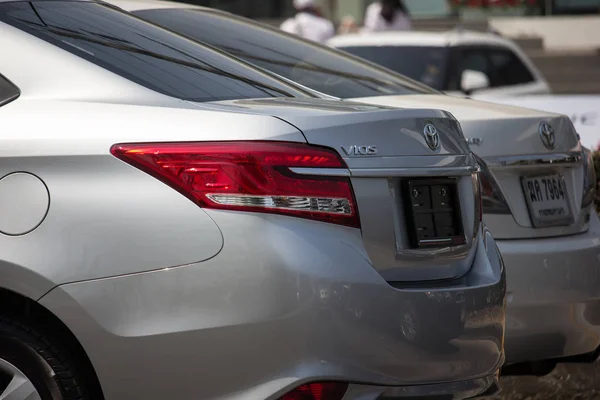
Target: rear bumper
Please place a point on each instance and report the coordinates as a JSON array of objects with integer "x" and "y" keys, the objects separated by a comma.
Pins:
[
  {"x": 296, "y": 303},
  {"x": 553, "y": 296}
]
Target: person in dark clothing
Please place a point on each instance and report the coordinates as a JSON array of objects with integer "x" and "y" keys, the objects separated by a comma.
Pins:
[{"x": 387, "y": 15}]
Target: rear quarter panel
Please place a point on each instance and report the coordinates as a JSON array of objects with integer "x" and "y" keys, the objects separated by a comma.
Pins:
[{"x": 105, "y": 217}]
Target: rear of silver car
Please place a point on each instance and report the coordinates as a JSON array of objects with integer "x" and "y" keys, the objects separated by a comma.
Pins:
[
  {"x": 539, "y": 204},
  {"x": 244, "y": 249},
  {"x": 552, "y": 257},
  {"x": 397, "y": 291}
]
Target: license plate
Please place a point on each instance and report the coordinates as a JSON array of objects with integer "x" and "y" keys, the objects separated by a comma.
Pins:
[
  {"x": 433, "y": 212},
  {"x": 548, "y": 200}
]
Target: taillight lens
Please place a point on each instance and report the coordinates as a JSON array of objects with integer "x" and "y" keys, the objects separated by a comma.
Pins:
[
  {"x": 250, "y": 176},
  {"x": 589, "y": 179},
  {"x": 318, "y": 391},
  {"x": 491, "y": 196}
]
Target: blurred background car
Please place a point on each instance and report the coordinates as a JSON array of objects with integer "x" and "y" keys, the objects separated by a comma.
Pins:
[
  {"x": 178, "y": 224},
  {"x": 548, "y": 238},
  {"x": 469, "y": 62}
]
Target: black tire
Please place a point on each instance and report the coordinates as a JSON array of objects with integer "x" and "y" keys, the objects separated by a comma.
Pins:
[{"x": 46, "y": 362}]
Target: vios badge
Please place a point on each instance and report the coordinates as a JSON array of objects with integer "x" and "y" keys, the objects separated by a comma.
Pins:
[
  {"x": 431, "y": 137},
  {"x": 357, "y": 150},
  {"x": 547, "y": 134}
]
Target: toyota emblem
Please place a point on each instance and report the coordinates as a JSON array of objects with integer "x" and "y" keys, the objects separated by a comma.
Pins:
[
  {"x": 431, "y": 137},
  {"x": 547, "y": 134}
]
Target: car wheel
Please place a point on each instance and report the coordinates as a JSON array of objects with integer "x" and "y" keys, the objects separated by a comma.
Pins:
[{"x": 34, "y": 368}]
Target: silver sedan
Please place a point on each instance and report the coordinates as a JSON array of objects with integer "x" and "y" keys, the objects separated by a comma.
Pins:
[
  {"x": 175, "y": 224},
  {"x": 538, "y": 185}
]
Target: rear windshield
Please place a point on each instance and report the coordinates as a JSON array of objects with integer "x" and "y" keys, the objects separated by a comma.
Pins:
[
  {"x": 424, "y": 64},
  {"x": 318, "y": 67},
  {"x": 143, "y": 53}
]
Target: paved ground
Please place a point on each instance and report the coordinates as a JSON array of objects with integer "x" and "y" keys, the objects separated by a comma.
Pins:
[{"x": 572, "y": 382}]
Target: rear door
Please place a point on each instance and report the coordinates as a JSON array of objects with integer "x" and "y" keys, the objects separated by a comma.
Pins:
[{"x": 507, "y": 73}]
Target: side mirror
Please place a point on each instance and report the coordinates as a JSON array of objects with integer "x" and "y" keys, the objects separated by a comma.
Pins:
[{"x": 471, "y": 81}]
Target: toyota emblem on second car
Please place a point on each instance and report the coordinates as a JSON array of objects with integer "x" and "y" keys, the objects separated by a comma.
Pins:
[
  {"x": 432, "y": 137},
  {"x": 547, "y": 134}
]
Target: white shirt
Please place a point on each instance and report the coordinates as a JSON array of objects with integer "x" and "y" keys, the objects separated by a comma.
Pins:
[
  {"x": 309, "y": 26},
  {"x": 374, "y": 22}
]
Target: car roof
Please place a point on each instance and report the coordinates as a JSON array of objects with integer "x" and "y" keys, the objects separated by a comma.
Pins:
[{"x": 420, "y": 38}]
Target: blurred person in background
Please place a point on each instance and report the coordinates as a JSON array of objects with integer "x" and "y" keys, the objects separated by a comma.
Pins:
[
  {"x": 308, "y": 22},
  {"x": 387, "y": 15},
  {"x": 348, "y": 25}
]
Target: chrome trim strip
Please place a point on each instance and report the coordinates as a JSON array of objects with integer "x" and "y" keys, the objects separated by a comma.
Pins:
[
  {"x": 429, "y": 171},
  {"x": 436, "y": 241},
  {"x": 321, "y": 171},
  {"x": 529, "y": 160},
  {"x": 410, "y": 162},
  {"x": 388, "y": 172}
]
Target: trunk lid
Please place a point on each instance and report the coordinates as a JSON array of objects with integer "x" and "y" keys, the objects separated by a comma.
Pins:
[
  {"x": 384, "y": 149},
  {"x": 515, "y": 144},
  {"x": 392, "y": 131}
]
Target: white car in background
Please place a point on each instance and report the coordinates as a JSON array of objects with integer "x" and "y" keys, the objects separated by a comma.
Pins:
[
  {"x": 538, "y": 185},
  {"x": 473, "y": 63}
]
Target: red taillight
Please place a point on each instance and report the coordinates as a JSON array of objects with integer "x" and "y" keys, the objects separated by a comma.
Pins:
[
  {"x": 492, "y": 199},
  {"x": 250, "y": 176},
  {"x": 478, "y": 188},
  {"x": 318, "y": 391}
]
